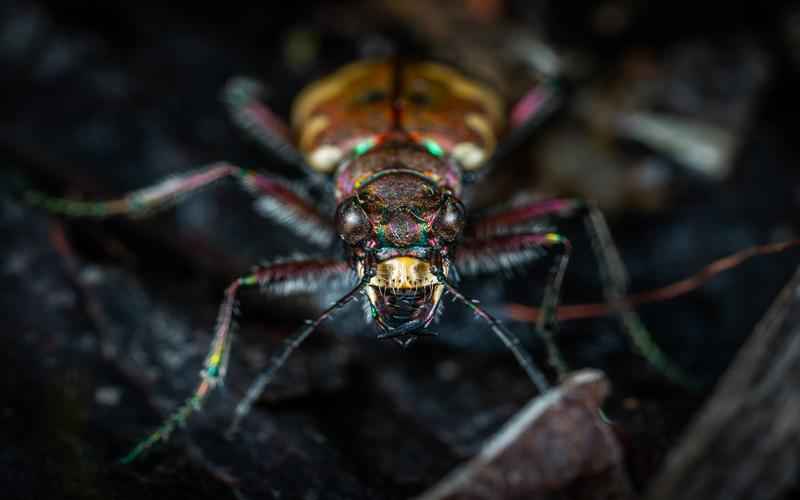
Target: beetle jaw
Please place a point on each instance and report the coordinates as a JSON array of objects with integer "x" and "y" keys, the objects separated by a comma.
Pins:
[{"x": 404, "y": 294}]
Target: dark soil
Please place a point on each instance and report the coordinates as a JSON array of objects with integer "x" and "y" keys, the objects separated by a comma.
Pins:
[{"x": 106, "y": 323}]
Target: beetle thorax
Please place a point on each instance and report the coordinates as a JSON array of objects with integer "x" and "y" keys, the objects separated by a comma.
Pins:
[{"x": 395, "y": 158}]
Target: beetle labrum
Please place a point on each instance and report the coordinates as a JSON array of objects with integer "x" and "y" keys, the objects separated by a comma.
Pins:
[{"x": 396, "y": 144}]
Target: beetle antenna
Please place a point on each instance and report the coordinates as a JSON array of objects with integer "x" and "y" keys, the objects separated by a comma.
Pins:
[
  {"x": 526, "y": 313},
  {"x": 510, "y": 340},
  {"x": 289, "y": 345}
]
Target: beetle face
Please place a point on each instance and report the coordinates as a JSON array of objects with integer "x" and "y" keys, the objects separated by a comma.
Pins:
[{"x": 409, "y": 226}]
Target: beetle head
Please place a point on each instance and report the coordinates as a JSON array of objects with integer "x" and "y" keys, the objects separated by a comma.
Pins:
[{"x": 401, "y": 227}]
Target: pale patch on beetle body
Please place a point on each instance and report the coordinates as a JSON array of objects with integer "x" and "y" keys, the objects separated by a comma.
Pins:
[
  {"x": 325, "y": 158},
  {"x": 469, "y": 155}
]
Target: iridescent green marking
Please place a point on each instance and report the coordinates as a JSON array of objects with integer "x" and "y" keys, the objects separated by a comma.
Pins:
[
  {"x": 67, "y": 207},
  {"x": 177, "y": 419},
  {"x": 553, "y": 237},
  {"x": 249, "y": 280},
  {"x": 364, "y": 146},
  {"x": 244, "y": 174},
  {"x": 137, "y": 203},
  {"x": 423, "y": 236},
  {"x": 381, "y": 233},
  {"x": 433, "y": 147},
  {"x": 211, "y": 376}
]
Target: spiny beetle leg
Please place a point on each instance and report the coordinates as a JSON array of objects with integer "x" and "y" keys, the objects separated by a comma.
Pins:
[
  {"x": 611, "y": 269},
  {"x": 504, "y": 251},
  {"x": 286, "y": 204},
  {"x": 279, "y": 358},
  {"x": 309, "y": 273},
  {"x": 142, "y": 202},
  {"x": 242, "y": 96},
  {"x": 277, "y": 199},
  {"x": 533, "y": 107},
  {"x": 547, "y": 326},
  {"x": 527, "y": 115},
  {"x": 520, "y": 217}
]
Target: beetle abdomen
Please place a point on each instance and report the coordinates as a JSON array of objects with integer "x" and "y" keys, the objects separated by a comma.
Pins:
[{"x": 369, "y": 103}]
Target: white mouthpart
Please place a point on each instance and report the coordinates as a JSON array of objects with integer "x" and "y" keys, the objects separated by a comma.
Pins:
[{"x": 402, "y": 273}]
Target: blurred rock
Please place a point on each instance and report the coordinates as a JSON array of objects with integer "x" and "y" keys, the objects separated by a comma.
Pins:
[{"x": 555, "y": 447}]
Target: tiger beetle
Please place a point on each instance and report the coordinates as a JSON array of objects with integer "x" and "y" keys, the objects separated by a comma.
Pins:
[{"x": 397, "y": 145}]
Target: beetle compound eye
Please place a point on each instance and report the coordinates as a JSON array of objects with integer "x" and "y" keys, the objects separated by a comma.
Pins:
[
  {"x": 352, "y": 222},
  {"x": 450, "y": 221}
]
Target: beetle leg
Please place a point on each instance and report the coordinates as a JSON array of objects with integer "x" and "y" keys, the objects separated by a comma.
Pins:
[
  {"x": 502, "y": 252},
  {"x": 526, "y": 115},
  {"x": 242, "y": 96},
  {"x": 308, "y": 272},
  {"x": 547, "y": 325},
  {"x": 142, "y": 202},
  {"x": 277, "y": 199},
  {"x": 610, "y": 265},
  {"x": 282, "y": 202},
  {"x": 615, "y": 287},
  {"x": 507, "y": 221},
  {"x": 533, "y": 107}
]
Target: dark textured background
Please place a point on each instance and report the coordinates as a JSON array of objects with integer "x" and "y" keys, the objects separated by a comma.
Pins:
[{"x": 104, "y": 335}]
